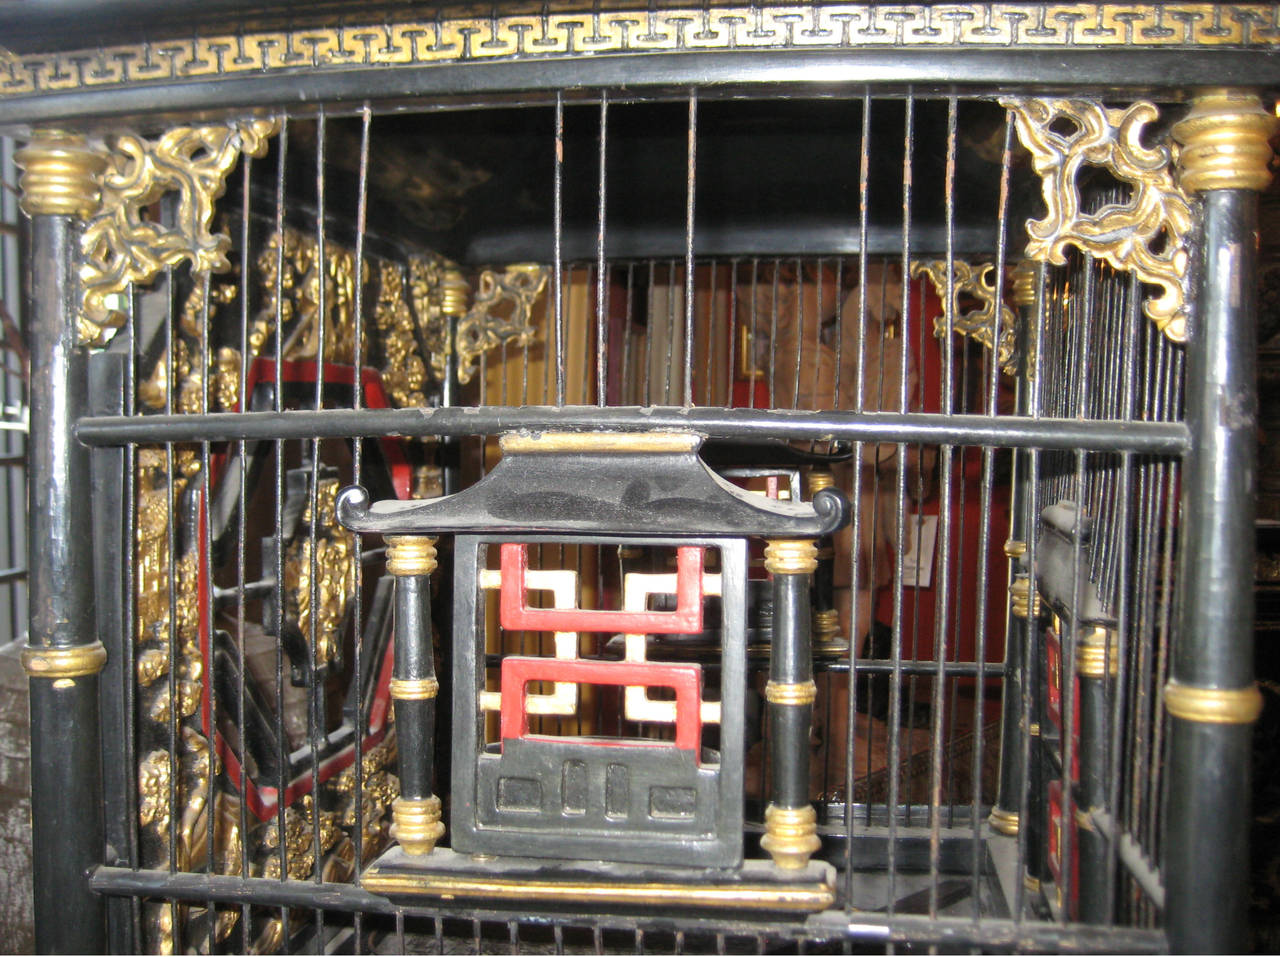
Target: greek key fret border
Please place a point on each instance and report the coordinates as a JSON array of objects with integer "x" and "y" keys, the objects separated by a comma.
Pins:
[{"x": 522, "y": 36}]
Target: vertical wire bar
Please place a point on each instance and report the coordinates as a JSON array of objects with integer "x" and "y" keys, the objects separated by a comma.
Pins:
[
  {"x": 627, "y": 385},
  {"x": 282, "y": 743},
  {"x": 942, "y": 588},
  {"x": 670, "y": 332},
  {"x": 773, "y": 334},
  {"x": 131, "y": 610},
  {"x": 315, "y": 688},
  {"x": 205, "y": 614},
  {"x": 1068, "y": 640},
  {"x": 242, "y": 405},
  {"x": 172, "y": 566},
  {"x": 357, "y": 457},
  {"x": 709, "y": 323},
  {"x": 557, "y": 291},
  {"x": 691, "y": 177},
  {"x": 602, "y": 329},
  {"x": 798, "y": 319},
  {"x": 751, "y": 340},
  {"x": 649, "y": 344},
  {"x": 900, "y": 499},
  {"x": 1113, "y": 765}
]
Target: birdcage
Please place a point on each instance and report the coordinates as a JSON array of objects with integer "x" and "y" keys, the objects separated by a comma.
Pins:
[{"x": 639, "y": 477}]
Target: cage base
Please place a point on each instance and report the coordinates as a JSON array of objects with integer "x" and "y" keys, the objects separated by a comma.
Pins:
[{"x": 758, "y": 885}]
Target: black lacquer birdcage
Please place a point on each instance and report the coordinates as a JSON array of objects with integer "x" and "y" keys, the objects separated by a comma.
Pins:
[{"x": 629, "y": 476}]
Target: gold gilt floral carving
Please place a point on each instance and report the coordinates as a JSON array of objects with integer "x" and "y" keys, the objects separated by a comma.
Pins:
[
  {"x": 1147, "y": 234},
  {"x": 119, "y": 246},
  {"x": 333, "y": 571},
  {"x": 500, "y": 313},
  {"x": 976, "y": 282},
  {"x": 404, "y": 375}
]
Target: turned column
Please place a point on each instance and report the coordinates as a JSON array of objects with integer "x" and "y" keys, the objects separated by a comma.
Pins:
[
  {"x": 1211, "y": 696},
  {"x": 60, "y": 187},
  {"x": 415, "y": 814},
  {"x": 790, "y": 822}
]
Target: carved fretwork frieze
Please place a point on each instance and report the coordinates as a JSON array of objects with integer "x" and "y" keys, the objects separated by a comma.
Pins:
[
  {"x": 120, "y": 245},
  {"x": 1147, "y": 235},
  {"x": 993, "y": 324}
]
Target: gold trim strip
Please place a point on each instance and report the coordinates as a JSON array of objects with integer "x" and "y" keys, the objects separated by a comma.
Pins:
[
  {"x": 414, "y": 689},
  {"x": 536, "y": 30},
  {"x": 798, "y": 556},
  {"x": 1213, "y": 705},
  {"x": 807, "y": 896},
  {"x": 73, "y": 662},
  {"x": 794, "y": 695},
  {"x": 1005, "y": 822},
  {"x": 634, "y": 442},
  {"x": 411, "y": 554}
]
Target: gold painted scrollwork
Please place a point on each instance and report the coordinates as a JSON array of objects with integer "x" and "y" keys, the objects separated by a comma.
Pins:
[
  {"x": 404, "y": 375},
  {"x": 120, "y": 247},
  {"x": 978, "y": 282},
  {"x": 426, "y": 284},
  {"x": 500, "y": 313},
  {"x": 1147, "y": 234}
]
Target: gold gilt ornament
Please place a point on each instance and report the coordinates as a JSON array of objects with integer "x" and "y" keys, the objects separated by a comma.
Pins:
[
  {"x": 439, "y": 294},
  {"x": 334, "y": 568},
  {"x": 404, "y": 375},
  {"x": 1145, "y": 236},
  {"x": 981, "y": 324},
  {"x": 119, "y": 246},
  {"x": 500, "y": 313}
]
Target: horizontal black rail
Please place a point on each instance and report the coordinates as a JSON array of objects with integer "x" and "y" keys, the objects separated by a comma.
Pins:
[
  {"x": 1103, "y": 435},
  {"x": 871, "y": 927}
]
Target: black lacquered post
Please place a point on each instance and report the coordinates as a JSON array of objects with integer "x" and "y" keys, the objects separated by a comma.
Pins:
[
  {"x": 1211, "y": 696},
  {"x": 416, "y": 813},
  {"x": 1005, "y": 815},
  {"x": 63, "y": 655},
  {"x": 790, "y": 821},
  {"x": 1097, "y": 663}
]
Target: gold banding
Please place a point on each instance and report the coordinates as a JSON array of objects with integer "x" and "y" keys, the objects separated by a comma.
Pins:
[
  {"x": 1006, "y": 822},
  {"x": 1034, "y": 730},
  {"x": 411, "y": 554},
  {"x": 416, "y": 824},
  {"x": 1225, "y": 142},
  {"x": 790, "y": 835},
  {"x": 62, "y": 175},
  {"x": 826, "y": 623},
  {"x": 454, "y": 290},
  {"x": 64, "y": 662},
  {"x": 800, "y": 693},
  {"x": 802, "y": 896},
  {"x": 1098, "y": 653},
  {"x": 1021, "y": 601},
  {"x": 1031, "y": 883},
  {"x": 820, "y": 479},
  {"x": 1024, "y": 284},
  {"x": 414, "y": 689},
  {"x": 1014, "y": 548},
  {"x": 794, "y": 556},
  {"x": 600, "y": 442},
  {"x": 1213, "y": 705}
]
